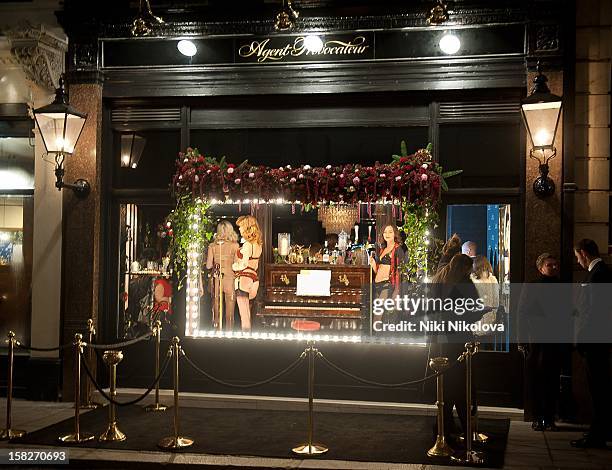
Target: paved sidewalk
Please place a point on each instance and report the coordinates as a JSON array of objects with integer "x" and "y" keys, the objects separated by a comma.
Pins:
[{"x": 526, "y": 450}]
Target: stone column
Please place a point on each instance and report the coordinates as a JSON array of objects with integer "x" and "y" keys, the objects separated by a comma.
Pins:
[
  {"x": 40, "y": 55},
  {"x": 82, "y": 223},
  {"x": 47, "y": 248}
]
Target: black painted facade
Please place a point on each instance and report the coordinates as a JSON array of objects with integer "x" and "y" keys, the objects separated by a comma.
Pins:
[{"x": 402, "y": 80}]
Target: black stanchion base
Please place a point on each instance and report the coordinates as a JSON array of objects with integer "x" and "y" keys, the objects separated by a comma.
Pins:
[{"x": 7, "y": 434}]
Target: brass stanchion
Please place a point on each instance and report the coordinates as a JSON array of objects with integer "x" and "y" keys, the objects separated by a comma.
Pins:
[
  {"x": 309, "y": 448},
  {"x": 469, "y": 456},
  {"x": 89, "y": 403},
  {"x": 220, "y": 299},
  {"x": 479, "y": 437},
  {"x": 77, "y": 436},
  {"x": 157, "y": 333},
  {"x": 175, "y": 442},
  {"x": 8, "y": 433},
  {"x": 441, "y": 447},
  {"x": 112, "y": 433},
  {"x": 371, "y": 300}
]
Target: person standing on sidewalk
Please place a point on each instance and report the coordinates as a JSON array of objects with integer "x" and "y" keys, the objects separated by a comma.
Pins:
[{"x": 594, "y": 318}]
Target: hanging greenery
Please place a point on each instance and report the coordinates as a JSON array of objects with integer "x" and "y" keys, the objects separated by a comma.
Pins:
[
  {"x": 420, "y": 220},
  {"x": 191, "y": 227}
]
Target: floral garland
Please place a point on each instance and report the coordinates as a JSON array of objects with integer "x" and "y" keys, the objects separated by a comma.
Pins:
[
  {"x": 415, "y": 181},
  {"x": 415, "y": 178}
]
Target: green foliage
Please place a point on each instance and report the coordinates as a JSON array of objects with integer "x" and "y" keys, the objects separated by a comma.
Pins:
[
  {"x": 419, "y": 223},
  {"x": 422, "y": 249},
  {"x": 193, "y": 229},
  {"x": 447, "y": 174}
]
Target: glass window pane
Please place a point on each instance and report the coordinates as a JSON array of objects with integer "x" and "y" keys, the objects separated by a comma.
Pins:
[
  {"x": 314, "y": 146},
  {"x": 157, "y": 162},
  {"x": 488, "y": 227},
  {"x": 16, "y": 216},
  {"x": 51, "y": 128},
  {"x": 16, "y": 163},
  {"x": 488, "y": 154},
  {"x": 145, "y": 275},
  {"x": 74, "y": 126}
]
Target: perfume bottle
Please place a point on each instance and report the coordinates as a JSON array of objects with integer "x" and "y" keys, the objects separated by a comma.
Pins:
[{"x": 325, "y": 253}]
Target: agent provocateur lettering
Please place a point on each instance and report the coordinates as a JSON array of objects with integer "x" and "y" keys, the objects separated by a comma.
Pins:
[{"x": 263, "y": 51}]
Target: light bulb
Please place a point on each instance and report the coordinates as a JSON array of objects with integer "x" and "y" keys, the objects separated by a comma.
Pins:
[
  {"x": 542, "y": 137},
  {"x": 450, "y": 44},
  {"x": 187, "y": 48},
  {"x": 313, "y": 43}
]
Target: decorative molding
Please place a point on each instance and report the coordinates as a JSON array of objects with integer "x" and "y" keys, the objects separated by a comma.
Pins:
[
  {"x": 39, "y": 52},
  {"x": 84, "y": 56},
  {"x": 547, "y": 38},
  {"x": 323, "y": 15},
  {"x": 121, "y": 29},
  {"x": 9, "y": 61}
]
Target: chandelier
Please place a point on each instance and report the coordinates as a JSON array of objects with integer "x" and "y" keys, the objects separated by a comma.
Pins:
[{"x": 338, "y": 217}]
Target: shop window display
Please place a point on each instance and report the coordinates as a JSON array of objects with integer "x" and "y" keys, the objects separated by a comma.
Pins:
[
  {"x": 484, "y": 231},
  {"x": 322, "y": 280},
  {"x": 146, "y": 279},
  {"x": 298, "y": 267}
]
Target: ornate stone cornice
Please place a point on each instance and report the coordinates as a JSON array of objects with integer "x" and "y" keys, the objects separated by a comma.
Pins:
[
  {"x": 40, "y": 53},
  {"x": 195, "y": 19}
]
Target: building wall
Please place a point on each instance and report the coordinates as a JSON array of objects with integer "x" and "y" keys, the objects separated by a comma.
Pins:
[{"x": 592, "y": 120}]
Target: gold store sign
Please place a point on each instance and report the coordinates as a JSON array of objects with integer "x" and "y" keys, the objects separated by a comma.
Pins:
[{"x": 294, "y": 49}]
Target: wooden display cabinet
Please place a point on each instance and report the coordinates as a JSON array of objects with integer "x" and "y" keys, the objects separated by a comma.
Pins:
[{"x": 344, "y": 309}]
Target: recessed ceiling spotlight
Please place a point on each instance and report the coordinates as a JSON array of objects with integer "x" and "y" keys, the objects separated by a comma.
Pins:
[
  {"x": 449, "y": 43},
  {"x": 313, "y": 43},
  {"x": 187, "y": 48}
]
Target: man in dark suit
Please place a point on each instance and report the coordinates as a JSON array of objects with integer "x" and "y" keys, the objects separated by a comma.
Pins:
[
  {"x": 593, "y": 322},
  {"x": 541, "y": 314}
]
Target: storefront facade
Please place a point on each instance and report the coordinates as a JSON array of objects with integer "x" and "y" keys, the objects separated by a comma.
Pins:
[{"x": 254, "y": 93}]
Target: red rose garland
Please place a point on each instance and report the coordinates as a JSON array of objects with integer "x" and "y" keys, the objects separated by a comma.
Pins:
[{"x": 415, "y": 178}]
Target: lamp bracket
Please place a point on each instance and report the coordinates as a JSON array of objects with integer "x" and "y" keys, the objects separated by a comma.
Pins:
[
  {"x": 81, "y": 187},
  {"x": 545, "y": 159}
]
